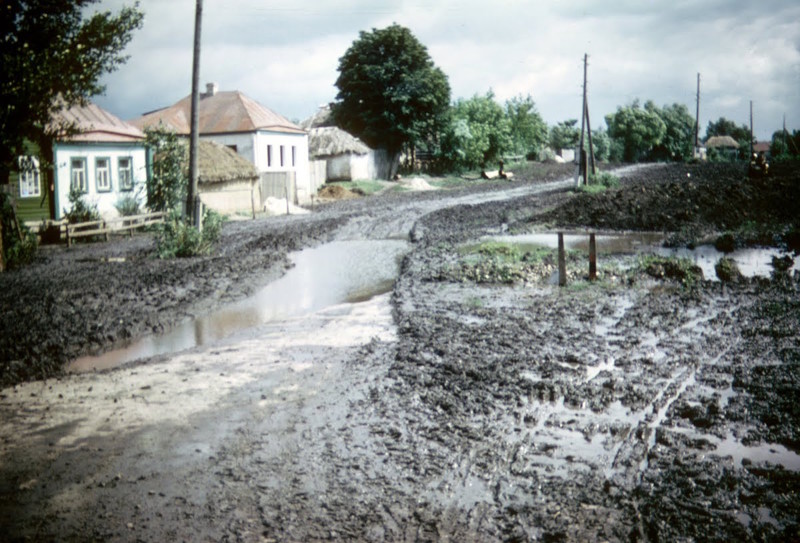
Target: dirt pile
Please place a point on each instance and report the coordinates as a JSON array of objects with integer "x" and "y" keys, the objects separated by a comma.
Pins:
[
  {"x": 336, "y": 192},
  {"x": 692, "y": 200}
]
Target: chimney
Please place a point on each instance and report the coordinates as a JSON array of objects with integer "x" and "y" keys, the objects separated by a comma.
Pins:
[{"x": 211, "y": 90}]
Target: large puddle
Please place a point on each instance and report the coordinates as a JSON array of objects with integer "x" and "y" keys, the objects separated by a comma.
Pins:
[
  {"x": 331, "y": 274},
  {"x": 756, "y": 261}
]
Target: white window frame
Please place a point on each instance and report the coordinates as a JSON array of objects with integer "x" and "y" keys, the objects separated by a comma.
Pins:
[
  {"x": 125, "y": 174},
  {"x": 102, "y": 174},
  {"x": 30, "y": 181},
  {"x": 77, "y": 175}
]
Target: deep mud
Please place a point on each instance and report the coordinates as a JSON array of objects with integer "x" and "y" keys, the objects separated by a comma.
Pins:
[{"x": 633, "y": 409}]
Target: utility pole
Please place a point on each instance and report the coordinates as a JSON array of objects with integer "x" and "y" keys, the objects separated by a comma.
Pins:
[
  {"x": 581, "y": 160},
  {"x": 192, "y": 198},
  {"x": 697, "y": 117},
  {"x": 751, "y": 131}
]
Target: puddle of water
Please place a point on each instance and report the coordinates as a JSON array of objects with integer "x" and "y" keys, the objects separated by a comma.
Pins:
[
  {"x": 754, "y": 261},
  {"x": 324, "y": 276},
  {"x": 758, "y": 454}
]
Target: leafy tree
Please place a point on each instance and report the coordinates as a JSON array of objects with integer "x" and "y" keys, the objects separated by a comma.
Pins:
[
  {"x": 527, "y": 129},
  {"x": 391, "y": 94},
  {"x": 606, "y": 149},
  {"x": 678, "y": 141},
  {"x": 478, "y": 134},
  {"x": 565, "y": 135},
  {"x": 52, "y": 58},
  {"x": 638, "y": 129},
  {"x": 785, "y": 145},
  {"x": 166, "y": 187}
]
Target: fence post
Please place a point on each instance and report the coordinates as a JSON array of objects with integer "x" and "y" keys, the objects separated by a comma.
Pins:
[
  {"x": 562, "y": 261},
  {"x": 592, "y": 258}
]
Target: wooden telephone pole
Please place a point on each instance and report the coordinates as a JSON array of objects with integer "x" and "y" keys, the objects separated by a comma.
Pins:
[
  {"x": 697, "y": 117},
  {"x": 750, "y": 156},
  {"x": 585, "y": 126},
  {"x": 192, "y": 198}
]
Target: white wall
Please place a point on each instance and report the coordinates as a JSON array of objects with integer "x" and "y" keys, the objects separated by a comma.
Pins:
[
  {"x": 275, "y": 140},
  {"x": 243, "y": 142},
  {"x": 105, "y": 201}
]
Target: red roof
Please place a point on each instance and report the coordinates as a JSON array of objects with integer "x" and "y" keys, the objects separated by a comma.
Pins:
[
  {"x": 95, "y": 124},
  {"x": 220, "y": 113}
]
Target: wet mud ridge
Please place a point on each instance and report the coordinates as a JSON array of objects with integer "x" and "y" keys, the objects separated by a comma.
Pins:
[{"x": 453, "y": 409}]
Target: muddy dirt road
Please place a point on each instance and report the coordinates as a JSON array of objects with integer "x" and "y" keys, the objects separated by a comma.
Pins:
[{"x": 634, "y": 408}]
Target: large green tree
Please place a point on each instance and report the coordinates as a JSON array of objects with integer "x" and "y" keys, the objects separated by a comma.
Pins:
[
  {"x": 678, "y": 141},
  {"x": 528, "y": 130},
  {"x": 638, "y": 129},
  {"x": 391, "y": 94},
  {"x": 478, "y": 133},
  {"x": 565, "y": 135},
  {"x": 52, "y": 56}
]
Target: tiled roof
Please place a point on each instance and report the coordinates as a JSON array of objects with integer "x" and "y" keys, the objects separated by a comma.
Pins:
[
  {"x": 221, "y": 113},
  {"x": 95, "y": 124}
]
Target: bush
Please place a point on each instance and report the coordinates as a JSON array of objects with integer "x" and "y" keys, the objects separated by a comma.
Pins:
[
  {"x": 604, "y": 179},
  {"x": 128, "y": 206},
  {"x": 16, "y": 252},
  {"x": 727, "y": 270},
  {"x": 80, "y": 211},
  {"x": 178, "y": 238}
]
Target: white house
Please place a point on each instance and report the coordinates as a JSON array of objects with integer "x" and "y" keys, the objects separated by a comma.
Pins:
[
  {"x": 276, "y": 146},
  {"x": 106, "y": 160}
]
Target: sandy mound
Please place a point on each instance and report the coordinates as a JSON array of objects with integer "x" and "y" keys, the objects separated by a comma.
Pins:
[
  {"x": 416, "y": 183},
  {"x": 336, "y": 192},
  {"x": 277, "y": 206}
]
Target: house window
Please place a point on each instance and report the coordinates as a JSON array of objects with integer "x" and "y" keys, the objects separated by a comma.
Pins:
[
  {"x": 294, "y": 156},
  {"x": 269, "y": 156},
  {"x": 29, "y": 181},
  {"x": 78, "y": 175},
  {"x": 102, "y": 174},
  {"x": 125, "y": 169},
  {"x": 281, "y": 156}
]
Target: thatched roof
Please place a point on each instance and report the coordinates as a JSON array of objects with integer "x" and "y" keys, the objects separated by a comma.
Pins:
[
  {"x": 331, "y": 141},
  {"x": 322, "y": 117},
  {"x": 722, "y": 141},
  {"x": 219, "y": 164}
]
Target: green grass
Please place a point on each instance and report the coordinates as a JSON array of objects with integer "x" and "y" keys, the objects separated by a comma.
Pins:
[{"x": 367, "y": 186}]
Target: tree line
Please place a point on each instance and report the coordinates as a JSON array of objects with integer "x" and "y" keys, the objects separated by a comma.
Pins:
[{"x": 393, "y": 96}]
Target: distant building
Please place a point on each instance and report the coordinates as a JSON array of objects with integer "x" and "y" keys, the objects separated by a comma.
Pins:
[{"x": 276, "y": 146}]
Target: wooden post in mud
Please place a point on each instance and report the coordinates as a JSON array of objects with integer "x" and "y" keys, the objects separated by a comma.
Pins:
[
  {"x": 562, "y": 261},
  {"x": 592, "y": 258}
]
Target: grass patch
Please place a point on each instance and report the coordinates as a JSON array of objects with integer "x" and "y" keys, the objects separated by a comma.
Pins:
[
  {"x": 364, "y": 187},
  {"x": 681, "y": 270}
]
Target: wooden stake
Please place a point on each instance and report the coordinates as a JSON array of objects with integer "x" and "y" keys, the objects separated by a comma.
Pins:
[
  {"x": 592, "y": 258},
  {"x": 562, "y": 261}
]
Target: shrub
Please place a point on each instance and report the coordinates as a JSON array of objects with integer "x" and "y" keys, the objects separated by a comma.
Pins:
[
  {"x": 178, "y": 238},
  {"x": 128, "y": 206},
  {"x": 727, "y": 270},
  {"x": 80, "y": 210},
  {"x": 16, "y": 251},
  {"x": 604, "y": 179}
]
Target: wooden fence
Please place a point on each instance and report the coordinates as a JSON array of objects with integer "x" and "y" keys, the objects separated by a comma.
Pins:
[{"x": 105, "y": 227}]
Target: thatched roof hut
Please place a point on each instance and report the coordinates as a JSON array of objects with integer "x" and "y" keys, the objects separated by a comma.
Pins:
[
  {"x": 722, "y": 142},
  {"x": 219, "y": 164},
  {"x": 329, "y": 141}
]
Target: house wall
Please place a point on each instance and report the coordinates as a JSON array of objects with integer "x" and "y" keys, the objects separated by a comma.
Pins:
[
  {"x": 349, "y": 167},
  {"x": 229, "y": 198},
  {"x": 255, "y": 147},
  {"x": 63, "y": 154},
  {"x": 32, "y": 208},
  {"x": 318, "y": 174}
]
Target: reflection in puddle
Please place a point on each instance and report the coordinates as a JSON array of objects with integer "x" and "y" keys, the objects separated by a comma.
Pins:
[
  {"x": 754, "y": 261},
  {"x": 331, "y": 274}
]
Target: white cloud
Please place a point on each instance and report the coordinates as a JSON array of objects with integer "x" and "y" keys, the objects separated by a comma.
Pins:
[{"x": 285, "y": 54}]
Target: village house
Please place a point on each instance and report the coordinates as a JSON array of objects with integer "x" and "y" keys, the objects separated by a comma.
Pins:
[
  {"x": 227, "y": 183},
  {"x": 104, "y": 158},
  {"x": 336, "y": 155},
  {"x": 277, "y": 147}
]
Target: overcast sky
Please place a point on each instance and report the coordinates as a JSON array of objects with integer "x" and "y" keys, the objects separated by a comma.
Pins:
[{"x": 285, "y": 53}]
